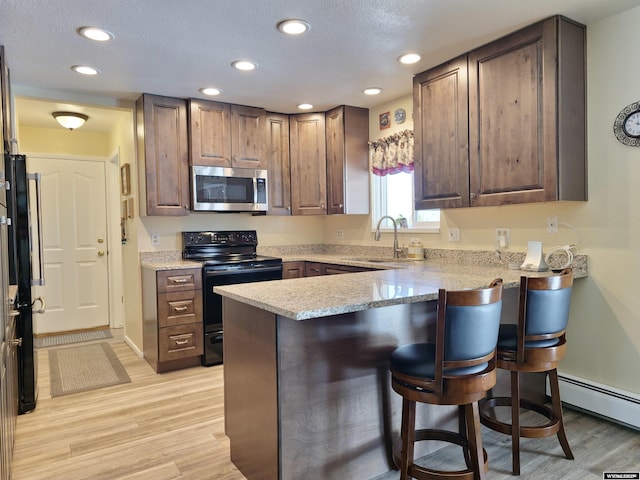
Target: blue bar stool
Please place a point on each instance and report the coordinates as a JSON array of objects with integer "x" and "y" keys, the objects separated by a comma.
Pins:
[
  {"x": 536, "y": 344},
  {"x": 458, "y": 369}
]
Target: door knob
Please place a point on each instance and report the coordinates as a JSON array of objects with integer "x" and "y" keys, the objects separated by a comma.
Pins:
[
  {"x": 101, "y": 253},
  {"x": 100, "y": 240}
]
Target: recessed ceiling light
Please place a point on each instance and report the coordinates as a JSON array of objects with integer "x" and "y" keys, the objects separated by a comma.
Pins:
[
  {"x": 85, "y": 70},
  {"x": 372, "y": 91},
  {"x": 409, "y": 58},
  {"x": 95, "y": 33},
  {"x": 244, "y": 65},
  {"x": 305, "y": 106},
  {"x": 212, "y": 91},
  {"x": 293, "y": 26}
]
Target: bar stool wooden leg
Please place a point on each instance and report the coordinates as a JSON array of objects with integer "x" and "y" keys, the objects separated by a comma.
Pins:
[
  {"x": 463, "y": 430},
  {"x": 515, "y": 422},
  {"x": 472, "y": 414},
  {"x": 557, "y": 411},
  {"x": 408, "y": 437}
]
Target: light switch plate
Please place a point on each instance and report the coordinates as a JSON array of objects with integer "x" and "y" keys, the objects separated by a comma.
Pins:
[{"x": 454, "y": 234}]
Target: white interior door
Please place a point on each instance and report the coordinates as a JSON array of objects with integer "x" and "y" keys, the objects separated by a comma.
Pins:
[{"x": 74, "y": 233}]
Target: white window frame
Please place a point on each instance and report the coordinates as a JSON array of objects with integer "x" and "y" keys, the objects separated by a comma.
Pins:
[{"x": 379, "y": 209}]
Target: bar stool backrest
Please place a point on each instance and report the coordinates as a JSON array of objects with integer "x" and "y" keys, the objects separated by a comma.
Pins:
[{"x": 545, "y": 312}]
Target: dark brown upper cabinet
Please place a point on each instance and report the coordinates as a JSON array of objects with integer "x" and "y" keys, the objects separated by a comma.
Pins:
[
  {"x": 163, "y": 155},
  {"x": 441, "y": 136},
  {"x": 347, "y": 133},
  {"x": 225, "y": 135},
  {"x": 308, "y": 164},
  {"x": 278, "y": 164},
  {"x": 526, "y": 121}
]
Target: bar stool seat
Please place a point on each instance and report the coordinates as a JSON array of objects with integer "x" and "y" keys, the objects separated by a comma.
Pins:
[
  {"x": 458, "y": 369},
  {"x": 536, "y": 343}
]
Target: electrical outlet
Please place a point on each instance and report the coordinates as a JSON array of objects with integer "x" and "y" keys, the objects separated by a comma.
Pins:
[
  {"x": 502, "y": 237},
  {"x": 340, "y": 234},
  {"x": 454, "y": 234},
  {"x": 155, "y": 239},
  {"x": 552, "y": 224}
]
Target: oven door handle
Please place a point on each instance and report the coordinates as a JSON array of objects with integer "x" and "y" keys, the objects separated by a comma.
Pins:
[{"x": 240, "y": 271}]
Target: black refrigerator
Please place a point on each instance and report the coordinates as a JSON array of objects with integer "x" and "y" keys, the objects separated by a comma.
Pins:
[{"x": 25, "y": 268}]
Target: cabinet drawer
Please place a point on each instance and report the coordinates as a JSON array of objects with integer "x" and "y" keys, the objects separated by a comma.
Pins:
[
  {"x": 181, "y": 341},
  {"x": 179, "y": 308},
  {"x": 179, "y": 280}
]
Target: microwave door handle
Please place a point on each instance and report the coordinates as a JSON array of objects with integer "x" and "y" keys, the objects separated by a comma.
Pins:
[
  {"x": 37, "y": 179},
  {"x": 255, "y": 190}
]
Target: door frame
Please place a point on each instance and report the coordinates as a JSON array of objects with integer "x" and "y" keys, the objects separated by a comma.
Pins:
[{"x": 114, "y": 252}]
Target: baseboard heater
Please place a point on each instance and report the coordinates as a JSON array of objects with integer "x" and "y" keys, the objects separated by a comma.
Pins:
[{"x": 603, "y": 400}]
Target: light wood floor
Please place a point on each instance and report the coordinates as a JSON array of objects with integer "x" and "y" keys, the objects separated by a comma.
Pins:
[
  {"x": 171, "y": 426},
  {"x": 158, "y": 427}
]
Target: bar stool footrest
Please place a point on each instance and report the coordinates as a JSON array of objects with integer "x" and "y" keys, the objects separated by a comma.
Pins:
[
  {"x": 423, "y": 473},
  {"x": 527, "y": 431}
]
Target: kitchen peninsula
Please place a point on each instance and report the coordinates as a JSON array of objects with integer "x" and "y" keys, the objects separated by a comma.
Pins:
[{"x": 307, "y": 390}]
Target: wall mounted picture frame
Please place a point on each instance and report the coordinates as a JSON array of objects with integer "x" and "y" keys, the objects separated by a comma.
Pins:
[
  {"x": 125, "y": 179},
  {"x": 385, "y": 120}
]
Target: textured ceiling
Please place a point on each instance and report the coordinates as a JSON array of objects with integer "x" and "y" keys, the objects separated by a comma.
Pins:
[{"x": 173, "y": 47}]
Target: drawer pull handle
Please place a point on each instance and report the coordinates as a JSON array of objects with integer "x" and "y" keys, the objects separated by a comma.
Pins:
[
  {"x": 180, "y": 309},
  {"x": 179, "y": 280},
  {"x": 182, "y": 342}
]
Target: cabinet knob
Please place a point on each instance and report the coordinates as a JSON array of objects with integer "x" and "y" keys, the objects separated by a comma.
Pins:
[{"x": 101, "y": 253}]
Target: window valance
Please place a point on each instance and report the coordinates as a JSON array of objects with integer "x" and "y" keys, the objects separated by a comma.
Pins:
[{"x": 393, "y": 154}]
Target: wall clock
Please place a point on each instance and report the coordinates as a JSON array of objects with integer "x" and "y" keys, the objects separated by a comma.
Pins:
[{"x": 626, "y": 126}]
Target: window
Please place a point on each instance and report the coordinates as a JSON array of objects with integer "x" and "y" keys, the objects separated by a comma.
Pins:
[{"x": 393, "y": 195}]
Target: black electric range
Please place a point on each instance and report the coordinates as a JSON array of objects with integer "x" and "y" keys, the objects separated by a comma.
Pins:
[{"x": 228, "y": 257}]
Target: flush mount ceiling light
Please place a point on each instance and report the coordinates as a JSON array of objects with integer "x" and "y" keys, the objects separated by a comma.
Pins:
[
  {"x": 372, "y": 91},
  {"x": 293, "y": 26},
  {"x": 95, "y": 33},
  {"x": 211, "y": 91},
  {"x": 305, "y": 106},
  {"x": 409, "y": 58},
  {"x": 244, "y": 65},
  {"x": 70, "y": 120},
  {"x": 85, "y": 70}
]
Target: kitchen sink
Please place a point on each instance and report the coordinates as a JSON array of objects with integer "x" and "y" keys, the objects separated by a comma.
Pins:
[{"x": 381, "y": 260}]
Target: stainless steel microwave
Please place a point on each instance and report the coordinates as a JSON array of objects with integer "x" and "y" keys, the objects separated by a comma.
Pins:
[{"x": 221, "y": 189}]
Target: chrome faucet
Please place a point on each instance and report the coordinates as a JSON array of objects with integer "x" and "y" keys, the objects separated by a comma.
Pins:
[{"x": 376, "y": 236}]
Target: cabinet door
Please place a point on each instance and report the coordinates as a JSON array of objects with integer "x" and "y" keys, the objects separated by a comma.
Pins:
[
  {"x": 441, "y": 139},
  {"x": 527, "y": 111},
  {"x": 163, "y": 154},
  {"x": 513, "y": 130},
  {"x": 293, "y": 269},
  {"x": 278, "y": 164},
  {"x": 308, "y": 164},
  {"x": 347, "y": 134},
  {"x": 210, "y": 133},
  {"x": 312, "y": 269},
  {"x": 247, "y": 137}
]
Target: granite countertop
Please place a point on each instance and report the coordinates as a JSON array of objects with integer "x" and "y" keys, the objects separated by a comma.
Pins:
[
  {"x": 392, "y": 283},
  {"x": 398, "y": 283}
]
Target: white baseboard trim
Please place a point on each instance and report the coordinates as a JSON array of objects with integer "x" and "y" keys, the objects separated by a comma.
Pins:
[
  {"x": 133, "y": 347},
  {"x": 618, "y": 405}
]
